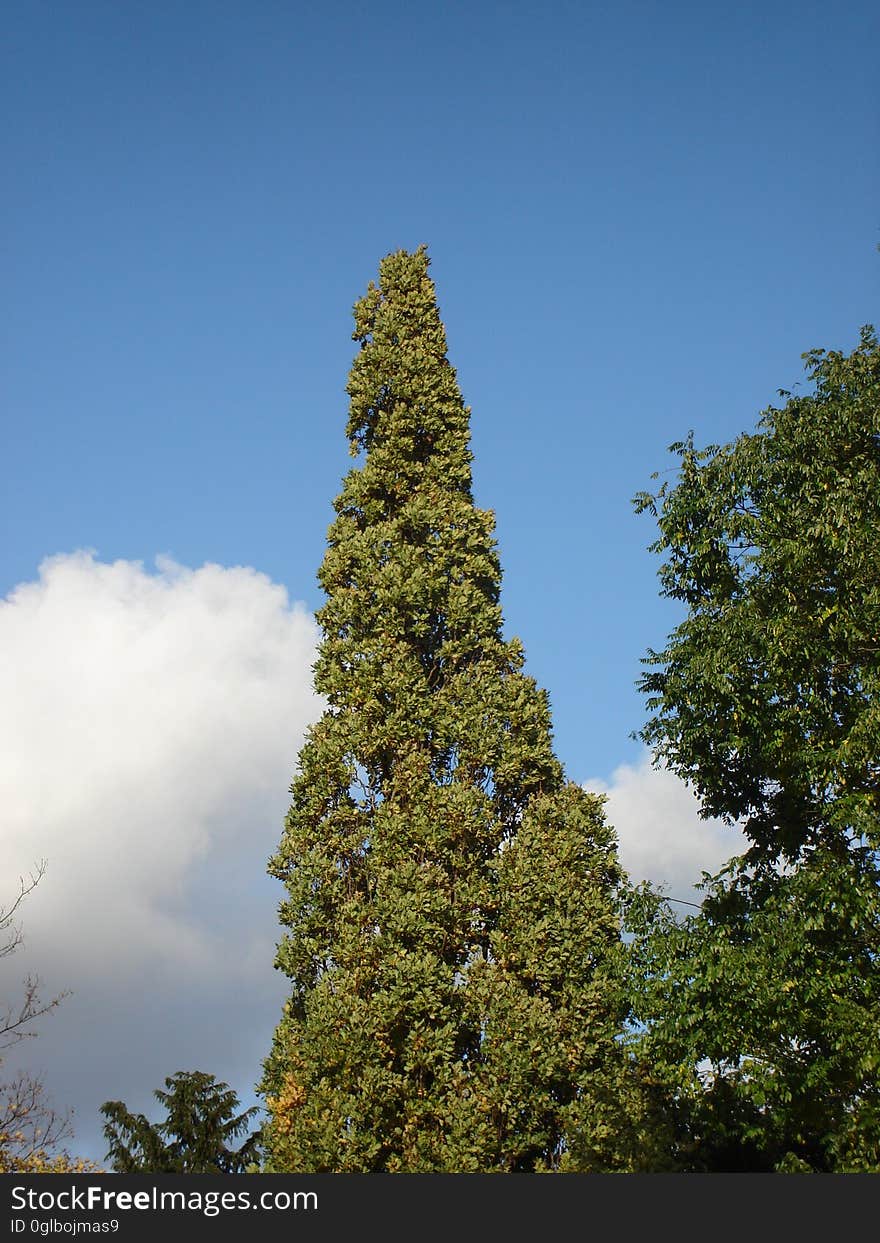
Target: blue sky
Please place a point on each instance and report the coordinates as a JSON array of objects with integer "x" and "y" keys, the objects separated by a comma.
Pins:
[{"x": 639, "y": 216}]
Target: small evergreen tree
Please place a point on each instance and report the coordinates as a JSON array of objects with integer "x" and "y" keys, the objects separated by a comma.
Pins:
[
  {"x": 201, "y": 1120},
  {"x": 451, "y": 900}
]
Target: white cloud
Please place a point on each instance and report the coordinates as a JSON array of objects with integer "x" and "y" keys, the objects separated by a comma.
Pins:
[
  {"x": 661, "y": 836},
  {"x": 149, "y": 726}
]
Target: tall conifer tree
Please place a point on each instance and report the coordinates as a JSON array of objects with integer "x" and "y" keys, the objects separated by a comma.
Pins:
[{"x": 451, "y": 899}]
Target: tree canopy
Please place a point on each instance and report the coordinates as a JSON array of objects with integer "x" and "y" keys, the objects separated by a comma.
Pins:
[
  {"x": 451, "y": 905},
  {"x": 766, "y": 696},
  {"x": 201, "y": 1119},
  {"x": 763, "y": 1011}
]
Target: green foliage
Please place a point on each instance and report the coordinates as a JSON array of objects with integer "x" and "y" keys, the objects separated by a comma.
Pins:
[
  {"x": 450, "y": 898},
  {"x": 762, "y": 1013},
  {"x": 766, "y": 696},
  {"x": 201, "y": 1120}
]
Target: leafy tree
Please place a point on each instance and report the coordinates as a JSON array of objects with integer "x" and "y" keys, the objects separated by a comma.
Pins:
[
  {"x": 451, "y": 900},
  {"x": 201, "y": 1120},
  {"x": 766, "y": 696},
  {"x": 764, "y": 1009}
]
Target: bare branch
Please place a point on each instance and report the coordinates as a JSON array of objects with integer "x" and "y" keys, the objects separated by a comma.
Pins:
[
  {"x": 24, "y": 888},
  {"x": 15, "y": 1020},
  {"x": 29, "y": 1126}
]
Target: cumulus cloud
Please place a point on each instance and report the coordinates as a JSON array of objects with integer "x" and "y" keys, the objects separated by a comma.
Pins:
[
  {"x": 149, "y": 726},
  {"x": 660, "y": 833}
]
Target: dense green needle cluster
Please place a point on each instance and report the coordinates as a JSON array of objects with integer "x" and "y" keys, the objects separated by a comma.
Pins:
[
  {"x": 451, "y": 905},
  {"x": 202, "y": 1120}
]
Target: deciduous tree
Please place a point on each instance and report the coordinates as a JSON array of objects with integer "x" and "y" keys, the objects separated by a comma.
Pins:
[{"x": 767, "y": 699}]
